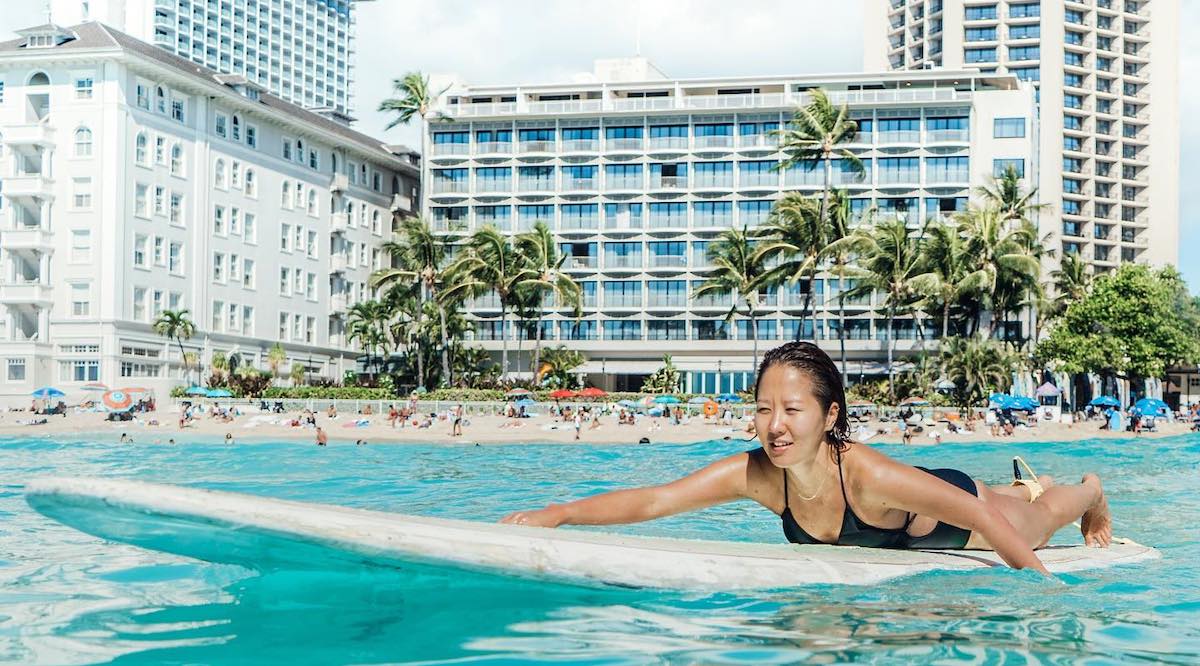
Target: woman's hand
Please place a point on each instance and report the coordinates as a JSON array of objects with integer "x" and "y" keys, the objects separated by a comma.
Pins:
[{"x": 550, "y": 516}]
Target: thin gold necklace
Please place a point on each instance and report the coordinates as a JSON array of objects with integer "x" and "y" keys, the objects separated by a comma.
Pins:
[{"x": 818, "y": 491}]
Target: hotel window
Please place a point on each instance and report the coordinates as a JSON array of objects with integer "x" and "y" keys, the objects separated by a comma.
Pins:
[
  {"x": 236, "y": 129},
  {"x": 16, "y": 369},
  {"x": 248, "y": 319},
  {"x": 81, "y": 195},
  {"x": 313, "y": 161},
  {"x": 982, "y": 13},
  {"x": 143, "y": 96},
  {"x": 1072, "y": 164},
  {"x": 235, "y": 175},
  {"x": 140, "y": 149},
  {"x": 81, "y": 299},
  {"x": 287, "y": 150},
  {"x": 160, "y": 150},
  {"x": 499, "y": 217},
  {"x": 81, "y": 246},
  {"x": 139, "y": 303},
  {"x": 218, "y": 267},
  {"x": 753, "y": 213},
  {"x": 218, "y": 315},
  {"x": 1017, "y": 53},
  {"x": 622, "y": 329},
  {"x": 285, "y": 281},
  {"x": 175, "y": 258},
  {"x": 311, "y": 249},
  {"x": 1073, "y": 16},
  {"x": 219, "y": 220},
  {"x": 140, "y": 206},
  {"x": 1000, "y": 166},
  {"x": 285, "y": 195},
  {"x": 1025, "y": 31},
  {"x": 177, "y": 110},
  {"x": 1008, "y": 128},
  {"x": 159, "y": 253},
  {"x": 981, "y": 34},
  {"x": 1026, "y": 10},
  {"x": 83, "y": 88},
  {"x": 176, "y": 160},
  {"x": 248, "y": 273},
  {"x": 83, "y": 142},
  {"x": 1026, "y": 73},
  {"x": 249, "y": 229},
  {"x": 251, "y": 136}
]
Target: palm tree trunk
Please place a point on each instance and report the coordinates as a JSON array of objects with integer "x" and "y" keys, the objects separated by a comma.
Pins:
[
  {"x": 183, "y": 357},
  {"x": 828, "y": 187},
  {"x": 946, "y": 319},
  {"x": 805, "y": 311},
  {"x": 891, "y": 347},
  {"x": 447, "y": 379},
  {"x": 753, "y": 333},
  {"x": 503, "y": 338},
  {"x": 537, "y": 348},
  {"x": 842, "y": 320}
]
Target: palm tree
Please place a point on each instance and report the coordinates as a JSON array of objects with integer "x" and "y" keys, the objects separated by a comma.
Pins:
[
  {"x": 1002, "y": 251},
  {"x": 949, "y": 273},
  {"x": 176, "y": 325},
  {"x": 1007, "y": 194},
  {"x": 276, "y": 356},
  {"x": 421, "y": 254},
  {"x": 490, "y": 264},
  {"x": 412, "y": 99},
  {"x": 890, "y": 258},
  {"x": 796, "y": 235},
  {"x": 977, "y": 366},
  {"x": 839, "y": 258},
  {"x": 1071, "y": 281},
  {"x": 814, "y": 135},
  {"x": 366, "y": 323},
  {"x": 737, "y": 267},
  {"x": 543, "y": 274}
]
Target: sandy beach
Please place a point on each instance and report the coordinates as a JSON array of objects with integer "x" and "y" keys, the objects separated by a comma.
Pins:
[{"x": 492, "y": 429}]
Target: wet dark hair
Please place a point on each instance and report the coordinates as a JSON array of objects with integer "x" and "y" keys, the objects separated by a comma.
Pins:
[{"x": 826, "y": 383}]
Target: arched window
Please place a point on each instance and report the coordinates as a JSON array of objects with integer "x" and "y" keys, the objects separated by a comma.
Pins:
[
  {"x": 236, "y": 131},
  {"x": 160, "y": 99},
  {"x": 39, "y": 79},
  {"x": 139, "y": 148},
  {"x": 83, "y": 142},
  {"x": 176, "y": 160},
  {"x": 300, "y": 150},
  {"x": 251, "y": 184},
  {"x": 312, "y": 202},
  {"x": 285, "y": 198},
  {"x": 219, "y": 174}
]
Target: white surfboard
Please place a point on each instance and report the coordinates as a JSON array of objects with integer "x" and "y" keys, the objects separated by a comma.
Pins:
[{"x": 267, "y": 534}]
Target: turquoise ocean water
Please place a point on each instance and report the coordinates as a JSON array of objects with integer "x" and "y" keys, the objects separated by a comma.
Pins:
[{"x": 66, "y": 597}]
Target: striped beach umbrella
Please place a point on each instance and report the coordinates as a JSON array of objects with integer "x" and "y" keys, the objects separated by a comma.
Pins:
[{"x": 117, "y": 401}]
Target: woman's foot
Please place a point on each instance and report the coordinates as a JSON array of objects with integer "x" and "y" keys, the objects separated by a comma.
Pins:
[{"x": 1096, "y": 523}]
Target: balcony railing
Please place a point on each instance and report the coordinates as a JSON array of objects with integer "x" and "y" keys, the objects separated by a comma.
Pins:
[
  {"x": 947, "y": 176},
  {"x": 493, "y": 148},
  {"x": 721, "y": 221},
  {"x": 899, "y": 136},
  {"x": 623, "y": 144},
  {"x": 668, "y": 182},
  {"x": 758, "y": 180},
  {"x": 450, "y": 186},
  {"x": 623, "y": 183},
  {"x": 623, "y": 300},
  {"x": 904, "y": 176},
  {"x": 668, "y": 261},
  {"x": 451, "y": 149},
  {"x": 666, "y": 300},
  {"x": 618, "y": 222},
  {"x": 582, "y": 263},
  {"x": 569, "y": 183},
  {"x": 580, "y": 145},
  {"x": 947, "y": 135},
  {"x": 622, "y": 261},
  {"x": 536, "y": 185},
  {"x": 668, "y": 143},
  {"x": 537, "y": 146},
  {"x": 714, "y": 182},
  {"x": 668, "y": 221},
  {"x": 716, "y": 141},
  {"x": 581, "y": 223},
  {"x": 493, "y": 185}
]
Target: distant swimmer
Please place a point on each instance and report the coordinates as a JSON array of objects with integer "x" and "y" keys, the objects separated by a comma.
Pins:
[
  {"x": 125, "y": 439},
  {"x": 322, "y": 438},
  {"x": 229, "y": 438}
]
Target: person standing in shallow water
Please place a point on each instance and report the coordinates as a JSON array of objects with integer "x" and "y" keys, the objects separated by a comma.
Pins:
[
  {"x": 829, "y": 489},
  {"x": 322, "y": 438}
]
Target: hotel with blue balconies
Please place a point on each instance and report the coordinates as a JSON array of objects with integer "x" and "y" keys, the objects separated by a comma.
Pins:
[{"x": 637, "y": 173}]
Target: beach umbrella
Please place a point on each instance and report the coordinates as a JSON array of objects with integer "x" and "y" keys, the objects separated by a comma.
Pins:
[
  {"x": 562, "y": 393},
  {"x": 729, "y": 397},
  {"x": 525, "y": 402},
  {"x": 218, "y": 393},
  {"x": 47, "y": 392},
  {"x": 666, "y": 400},
  {"x": 94, "y": 386},
  {"x": 117, "y": 401},
  {"x": 860, "y": 403},
  {"x": 648, "y": 401},
  {"x": 593, "y": 392},
  {"x": 629, "y": 404},
  {"x": 656, "y": 411},
  {"x": 698, "y": 400},
  {"x": 196, "y": 390},
  {"x": 135, "y": 389},
  {"x": 1025, "y": 403},
  {"x": 1047, "y": 390},
  {"x": 1152, "y": 406},
  {"x": 945, "y": 385},
  {"x": 518, "y": 392},
  {"x": 1104, "y": 401},
  {"x": 914, "y": 401}
]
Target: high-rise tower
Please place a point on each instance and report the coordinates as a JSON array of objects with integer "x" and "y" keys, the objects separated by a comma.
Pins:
[
  {"x": 1107, "y": 73},
  {"x": 299, "y": 50}
]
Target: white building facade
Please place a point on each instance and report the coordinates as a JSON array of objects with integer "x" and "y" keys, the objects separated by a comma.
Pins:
[
  {"x": 637, "y": 174},
  {"x": 132, "y": 181},
  {"x": 1108, "y": 77},
  {"x": 299, "y": 50}
]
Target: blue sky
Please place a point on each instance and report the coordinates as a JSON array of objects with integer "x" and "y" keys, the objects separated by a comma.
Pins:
[{"x": 511, "y": 41}]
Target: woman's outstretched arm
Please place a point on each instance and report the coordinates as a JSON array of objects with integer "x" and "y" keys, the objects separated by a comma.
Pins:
[
  {"x": 908, "y": 488},
  {"x": 722, "y": 481}
]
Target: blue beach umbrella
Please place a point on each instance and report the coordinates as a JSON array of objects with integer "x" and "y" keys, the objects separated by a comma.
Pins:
[
  {"x": 698, "y": 400},
  {"x": 629, "y": 404},
  {"x": 1152, "y": 406},
  {"x": 196, "y": 390},
  {"x": 729, "y": 397},
  {"x": 1024, "y": 403},
  {"x": 666, "y": 400},
  {"x": 525, "y": 402},
  {"x": 218, "y": 393},
  {"x": 47, "y": 392},
  {"x": 1105, "y": 401}
]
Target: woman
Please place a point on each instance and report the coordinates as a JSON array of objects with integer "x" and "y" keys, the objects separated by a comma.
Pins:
[{"x": 828, "y": 489}]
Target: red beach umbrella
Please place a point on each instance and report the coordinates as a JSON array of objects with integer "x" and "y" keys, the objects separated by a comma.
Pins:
[
  {"x": 117, "y": 400},
  {"x": 562, "y": 393},
  {"x": 592, "y": 392}
]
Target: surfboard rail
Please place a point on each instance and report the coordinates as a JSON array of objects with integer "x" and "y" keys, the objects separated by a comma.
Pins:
[{"x": 264, "y": 533}]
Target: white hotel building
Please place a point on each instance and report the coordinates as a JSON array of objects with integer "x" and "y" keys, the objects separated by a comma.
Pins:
[
  {"x": 1107, "y": 73},
  {"x": 133, "y": 181},
  {"x": 299, "y": 50},
  {"x": 637, "y": 173}
]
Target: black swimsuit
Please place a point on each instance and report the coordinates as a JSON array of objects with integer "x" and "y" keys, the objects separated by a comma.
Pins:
[{"x": 855, "y": 532}]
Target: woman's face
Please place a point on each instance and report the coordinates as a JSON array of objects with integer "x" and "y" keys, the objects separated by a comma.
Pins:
[{"x": 788, "y": 419}]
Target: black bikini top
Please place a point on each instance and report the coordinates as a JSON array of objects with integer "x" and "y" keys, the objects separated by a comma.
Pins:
[{"x": 854, "y": 531}]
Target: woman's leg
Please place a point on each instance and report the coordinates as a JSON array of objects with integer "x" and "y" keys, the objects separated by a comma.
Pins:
[
  {"x": 1022, "y": 491},
  {"x": 1057, "y": 507}
]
